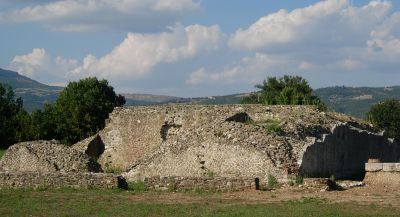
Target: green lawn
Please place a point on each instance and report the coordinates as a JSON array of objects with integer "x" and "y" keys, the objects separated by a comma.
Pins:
[{"x": 122, "y": 203}]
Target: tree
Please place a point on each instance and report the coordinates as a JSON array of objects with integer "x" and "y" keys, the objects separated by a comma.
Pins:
[
  {"x": 39, "y": 125},
  {"x": 386, "y": 115},
  {"x": 287, "y": 90},
  {"x": 82, "y": 107},
  {"x": 10, "y": 108}
]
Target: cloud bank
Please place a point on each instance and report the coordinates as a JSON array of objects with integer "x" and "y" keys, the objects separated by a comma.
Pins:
[
  {"x": 139, "y": 53},
  {"x": 330, "y": 38},
  {"x": 134, "y": 58},
  {"x": 330, "y": 42},
  {"x": 97, "y": 15}
]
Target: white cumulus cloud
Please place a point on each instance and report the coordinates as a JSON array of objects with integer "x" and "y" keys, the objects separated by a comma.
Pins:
[
  {"x": 133, "y": 58},
  {"x": 93, "y": 15},
  {"x": 247, "y": 70},
  {"x": 39, "y": 65},
  {"x": 139, "y": 53},
  {"x": 327, "y": 23}
]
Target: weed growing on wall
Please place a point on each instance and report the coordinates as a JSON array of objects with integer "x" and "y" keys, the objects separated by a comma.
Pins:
[
  {"x": 299, "y": 179},
  {"x": 112, "y": 169},
  {"x": 172, "y": 185},
  {"x": 273, "y": 126},
  {"x": 137, "y": 186},
  {"x": 272, "y": 181},
  {"x": 211, "y": 174}
]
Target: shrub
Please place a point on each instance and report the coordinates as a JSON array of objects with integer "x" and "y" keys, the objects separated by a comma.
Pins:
[
  {"x": 299, "y": 179},
  {"x": 386, "y": 115},
  {"x": 113, "y": 169},
  {"x": 137, "y": 186},
  {"x": 272, "y": 181},
  {"x": 273, "y": 126},
  {"x": 287, "y": 90},
  {"x": 172, "y": 185}
]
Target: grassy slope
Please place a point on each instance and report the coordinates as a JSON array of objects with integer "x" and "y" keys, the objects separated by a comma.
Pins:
[{"x": 118, "y": 203}]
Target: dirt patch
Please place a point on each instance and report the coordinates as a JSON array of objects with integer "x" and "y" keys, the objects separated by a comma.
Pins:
[{"x": 366, "y": 195}]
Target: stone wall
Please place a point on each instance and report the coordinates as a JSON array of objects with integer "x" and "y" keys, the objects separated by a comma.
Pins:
[
  {"x": 344, "y": 152},
  {"x": 237, "y": 141},
  {"x": 384, "y": 167},
  {"x": 382, "y": 178},
  {"x": 58, "y": 179},
  {"x": 207, "y": 183},
  {"x": 195, "y": 140},
  {"x": 382, "y": 174},
  {"x": 134, "y": 133}
]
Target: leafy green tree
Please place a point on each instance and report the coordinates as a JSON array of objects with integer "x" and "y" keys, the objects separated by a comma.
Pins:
[
  {"x": 287, "y": 90},
  {"x": 386, "y": 115},
  {"x": 23, "y": 129},
  {"x": 82, "y": 107},
  {"x": 10, "y": 108},
  {"x": 38, "y": 125}
]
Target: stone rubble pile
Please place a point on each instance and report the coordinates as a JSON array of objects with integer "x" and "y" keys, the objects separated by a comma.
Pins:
[{"x": 46, "y": 156}]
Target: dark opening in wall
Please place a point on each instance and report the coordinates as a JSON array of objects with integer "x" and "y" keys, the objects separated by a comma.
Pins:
[
  {"x": 95, "y": 148},
  {"x": 257, "y": 182},
  {"x": 241, "y": 117}
]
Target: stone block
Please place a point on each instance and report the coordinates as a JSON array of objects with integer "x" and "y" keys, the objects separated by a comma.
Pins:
[
  {"x": 389, "y": 167},
  {"x": 373, "y": 167}
]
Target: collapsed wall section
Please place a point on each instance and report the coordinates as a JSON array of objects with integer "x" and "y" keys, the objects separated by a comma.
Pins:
[{"x": 46, "y": 156}]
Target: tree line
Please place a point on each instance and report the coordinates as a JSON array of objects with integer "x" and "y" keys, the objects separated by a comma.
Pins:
[{"x": 80, "y": 111}]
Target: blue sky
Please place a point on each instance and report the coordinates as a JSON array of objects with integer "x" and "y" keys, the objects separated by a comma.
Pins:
[{"x": 200, "y": 48}]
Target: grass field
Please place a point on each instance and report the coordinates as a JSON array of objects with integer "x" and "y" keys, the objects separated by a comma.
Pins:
[{"x": 69, "y": 202}]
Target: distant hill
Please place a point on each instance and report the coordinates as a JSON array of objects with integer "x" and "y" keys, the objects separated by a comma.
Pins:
[
  {"x": 356, "y": 101},
  {"x": 148, "y": 99},
  {"x": 33, "y": 93}
]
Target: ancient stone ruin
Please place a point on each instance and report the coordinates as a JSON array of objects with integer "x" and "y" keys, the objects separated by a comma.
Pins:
[
  {"x": 240, "y": 141},
  {"x": 46, "y": 156},
  {"x": 382, "y": 173},
  {"x": 51, "y": 164},
  {"x": 224, "y": 146}
]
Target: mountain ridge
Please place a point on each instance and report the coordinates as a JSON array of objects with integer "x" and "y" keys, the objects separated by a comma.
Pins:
[{"x": 34, "y": 94}]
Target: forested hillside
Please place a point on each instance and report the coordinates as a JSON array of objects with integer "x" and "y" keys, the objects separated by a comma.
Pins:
[{"x": 356, "y": 101}]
